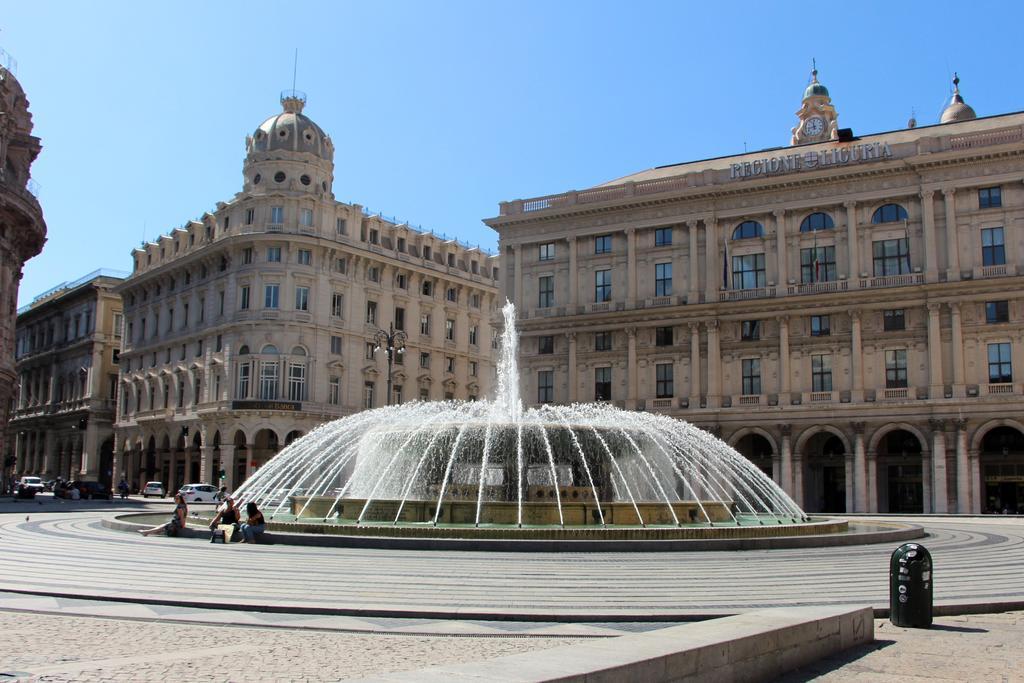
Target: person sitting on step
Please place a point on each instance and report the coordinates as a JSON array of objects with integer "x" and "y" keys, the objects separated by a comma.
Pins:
[{"x": 254, "y": 525}]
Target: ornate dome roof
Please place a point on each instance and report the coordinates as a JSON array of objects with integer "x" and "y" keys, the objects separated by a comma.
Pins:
[
  {"x": 291, "y": 131},
  {"x": 815, "y": 89},
  {"x": 957, "y": 109}
]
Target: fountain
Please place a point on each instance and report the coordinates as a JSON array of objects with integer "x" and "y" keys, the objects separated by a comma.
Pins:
[{"x": 495, "y": 467}]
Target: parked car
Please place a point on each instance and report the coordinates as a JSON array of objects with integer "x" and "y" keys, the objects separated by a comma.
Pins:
[
  {"x": 199, "y": 493},
  {"x": 153, "y": 488},
  {"x": 93, "y": 490},
  {"x": 31, "y": 483}
]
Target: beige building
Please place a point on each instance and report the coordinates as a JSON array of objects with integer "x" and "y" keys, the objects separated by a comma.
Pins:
[
  {"x": 846, "y": 312},
  {"x": 22, "y": 230},
  {"x": 66, "y": 349},
  {"x": 247, "y": 328}
]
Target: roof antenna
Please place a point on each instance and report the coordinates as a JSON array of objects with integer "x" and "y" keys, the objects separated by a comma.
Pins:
[{"x": 295, "y": 68}]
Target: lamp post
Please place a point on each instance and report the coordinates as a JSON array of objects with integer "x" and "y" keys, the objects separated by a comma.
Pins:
[{"x": 392, "y": 342}]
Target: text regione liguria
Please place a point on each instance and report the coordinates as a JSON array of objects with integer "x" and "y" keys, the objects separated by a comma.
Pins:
[{"x": 789, "y": 163}]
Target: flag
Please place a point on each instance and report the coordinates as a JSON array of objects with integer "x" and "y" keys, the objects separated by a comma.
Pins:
[{"x": 725, "y": 263}]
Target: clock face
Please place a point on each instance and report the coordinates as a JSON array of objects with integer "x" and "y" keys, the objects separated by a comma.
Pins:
[{"x": 814, "y": 126}]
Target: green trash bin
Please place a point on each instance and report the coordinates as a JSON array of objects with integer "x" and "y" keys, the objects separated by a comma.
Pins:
[{"x": 910, "y": 586}]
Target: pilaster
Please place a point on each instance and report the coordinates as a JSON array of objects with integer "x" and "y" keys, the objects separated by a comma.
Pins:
[
  {"x": 939, "y": 493},
  {"x": 952, "y": 240},
  {"x": 931, "y": 266},
  {"x": 860, "y": 498}
]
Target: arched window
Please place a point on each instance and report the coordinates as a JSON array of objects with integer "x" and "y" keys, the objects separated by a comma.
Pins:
[
  {"x": 748, "y": 230},
  {"x": 269, "y": 350},
  {"x": 244, "y": 351},
  {"x": 889, "y": 213},
  {"x": 298, "y": 351},
  {"x": 817, "y": 221}
]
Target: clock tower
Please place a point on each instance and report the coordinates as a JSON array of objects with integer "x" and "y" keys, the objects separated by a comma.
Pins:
[{"x": 818, "y": 118}]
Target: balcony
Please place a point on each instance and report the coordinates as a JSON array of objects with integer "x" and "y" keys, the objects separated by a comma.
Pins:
[
  {"x": 663, "y": 404},
  {"x": 1000, "y": 388},
  {"x": 821, "y": 397},
  {"x": 899, "y": 394},
  {"x": 748, "y": 400},
  {"x": 893, "y": 280},
  {"x": 1002, "y": 270},
  {"x": 745, "y": 294},
  {"x": 818, "y": 287}
]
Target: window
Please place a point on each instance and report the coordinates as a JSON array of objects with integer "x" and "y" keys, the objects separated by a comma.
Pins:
[
  {"x": 220, "y": 303},
  {"x": 424, "y": 360},
  {"x": 273, "y": 254},
  {"x": 547, "y": 251},
  {"x": 474, "y": 300},
  {"x": 472, "y": 368},
  {"x": 306, "y": 218},
  {"x": 602, "y": 384},
  {"x": 472, "y": 334},
  {"x": 302, "y": 298},
  {"x": 296, "y": 381},
  {"x": 663, "y": 336},
  {"x": 602, "y": 286},
  {"x": 997, "y": 312},
  {"x": 340, "y": 226},
  {"x": 368, "y": 395},
  {"x": 401, "y": 245},
  {"x": 748, "y": 230},
  {"x": 268, "y": 379},
  {"x": 1000, "y": 368},
  {"x": 244, "y": 299},
  {"x": 750, "y": 330},
  {"x": 396, "y": 394},
  {"x": 821, "y": 326},
  {"x": 374, "y": 236},
  {"x": 451, "y": 294},
  {"x": 199, "y": 347},
  {"x": 371, "y": 312},
  {"x": 305, "y": 257},
  {"x": 817, "y": 264},
  {"x": 449, "y": 329},
  {"x": 181, "y": 393},
  {"x": 373, "y": 274},
  {"x": 990, "y": 197},
  {"x": 425, "y": 324},
  {"x": 424, "y": 394},
  {"x": 369, "y": 351},
  {"x": 336, "y": 345},
  {"x": 748, "y": 272},
  {"x": 896, "y": 369},
  {"x": 546, "y": 296},
  {"x": 821, "y": 372},
  {"x": 334, "y": 391},
  {"x": 250, "y": 216},
  {"x": 602, "y": 341},
  {"x": 337, "y": 304},
  {"x": 427, "y": 252},
  {"x": 889, "y": 213},
  {"x": 751, "y": 376},
  {"x": 891, "y": 257},
  {"x": 276, "y": 215},
  {"x": 546, "y": 344},
  {"x": 341, "y": 265},
  {"x": 662, "y": 237},
  {"x": 603, "y": 244},
  {"x": 663, "y": 380},
  {"x": 545, "y": 386},
  {"x": 451, "y": 260},
  {"x": 247, "y": 256},
  {"x": 993, "y": 251},
  {"x": 271, "y": 296},
  {"x": 662, "y": 279},
  {"x": 402, "y": 280},
  {"x": 894, "y": 320},
  {"x": 399, "y": 318},
  {"x": 219, "y": 344},
  {"x": 449, "y": 364},
  {"x": 817, "y": 221},
  {"x": 428, "y": 288}
]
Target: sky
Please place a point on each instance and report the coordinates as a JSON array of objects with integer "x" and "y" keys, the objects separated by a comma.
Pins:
[{"x": 440, "y": 110}]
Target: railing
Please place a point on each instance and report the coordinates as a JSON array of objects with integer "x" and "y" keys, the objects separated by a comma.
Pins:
[
  {"x": 821, "y": 397},
  {"x": 1000, "y": 388},
  {"x": 999, "y": 137},
  {"x": 1001, "y": 270},
  {"x": 99, "y": 272},
  {"x": 660, "y": 185},
  {"x": 661, "y": 301},
  {"x": 604, "y": 306},
  {"x": 744, "y": 294},
  {"x": 662, "y": 403},
  {"x": 893, "y": 280},
  {"x": 750, "y": 400},
  {"x": 894, "y": 394},
  {"x": 819, "y": 287}
]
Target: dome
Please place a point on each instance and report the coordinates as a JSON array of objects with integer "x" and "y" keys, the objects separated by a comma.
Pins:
[
  {"x": 291, "y": 131},
  {"x": 957, "y": 109},
  {"x": 815, "y": 89}
]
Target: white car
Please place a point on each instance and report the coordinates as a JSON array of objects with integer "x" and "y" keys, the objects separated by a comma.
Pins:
[
  {"x": 199, "y": 493},
  {"x": 153, "y": 488},
  {"x": 34, "y": 483}
]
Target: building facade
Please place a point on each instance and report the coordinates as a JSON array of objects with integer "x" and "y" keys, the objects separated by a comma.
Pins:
[
  {"x": 22, "y": 230},
  {"x": 251, "y": 326},
  {"x": 66, "y": 348},
  {"x": 846, "y": 312}
]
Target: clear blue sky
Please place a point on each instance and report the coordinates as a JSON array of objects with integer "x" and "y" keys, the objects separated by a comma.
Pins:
[{"x": 440, "y": 110}]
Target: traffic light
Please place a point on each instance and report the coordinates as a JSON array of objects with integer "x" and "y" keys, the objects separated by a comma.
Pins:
[{"x": 223, "y": 474}]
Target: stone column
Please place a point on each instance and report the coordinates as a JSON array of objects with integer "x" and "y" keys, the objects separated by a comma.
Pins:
[
  {"x": 931, "y": 266},
  {"x": 631, "y": 371},
  {"x": 860, "y": 498},
  {"x": 693, "y": 295},
  {"x": 856, "y": 359},
  {"x": 694, "y": 365},
  {"x": 206, "y": 464},
  {"x": 49, "y": 456},
  {"x": 714, "y": 366},
  {"x": 90, "y": 466},
  {"x": 957, "y": 339},
  {"x": 935, "y": 385},
  {"x": 631, "y": 289},
  {"x": 784, "y": 388},
  {"x": 172, "y": 471},
  {"x": 978, "y": 502},
  {"x": 573, "y": 276},
  {"x": 872, "y": 492},
  {"x": 787, "y": 459},
  {"x": 798, "y": 479},
  {"x": 853, "y": 251},
  {"x": 227, "y": 463},
  {"x": 939, "y": 492},
  {"x": 712, "y": 264},
  {"x": 952, "y": 240},
  {"x": 518, "y": 292},
  {"x": 780, "y": 244},
  {"x": 573, "y": 379},
  {"x": 963, "y": 474}
]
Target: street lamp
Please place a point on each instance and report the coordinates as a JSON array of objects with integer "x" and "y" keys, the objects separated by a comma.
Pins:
[{"x": 392, "y": 342}]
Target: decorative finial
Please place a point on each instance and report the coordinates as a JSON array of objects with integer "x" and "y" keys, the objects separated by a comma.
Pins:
[
  {"x": 814, "y": 69},
  {"x": 956, "y": 83},
  {"x": 912, "y": 123}
]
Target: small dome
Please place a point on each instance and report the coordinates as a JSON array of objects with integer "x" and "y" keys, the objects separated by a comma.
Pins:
[
  {"x": 957, "y": 109},
  {"x": 291, "y": 131},
  {"x": 815, "y": 89}
]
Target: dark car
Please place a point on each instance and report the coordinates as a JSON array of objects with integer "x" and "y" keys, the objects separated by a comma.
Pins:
[{"x": 86, "y": 490}]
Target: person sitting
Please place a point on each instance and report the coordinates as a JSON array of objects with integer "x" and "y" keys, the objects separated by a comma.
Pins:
[
  {"x": 227, "y": 515},
  {"x": 175, "y": 524},
  {"x": 254, "y": 525}
]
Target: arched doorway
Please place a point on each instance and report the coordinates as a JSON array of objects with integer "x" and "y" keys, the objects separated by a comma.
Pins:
[
  {"x": 106, "y": 473},
  {"x": 242, "y": 456},
  {"x": 900, "y": 473},
  {"x": 292, "y": 436},
  {"x": 825, "y": 474},
  {"x": 757, "y": 450},
  {"x": 150, "y": 468},
  {"x": 1002, "y": 470}
]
